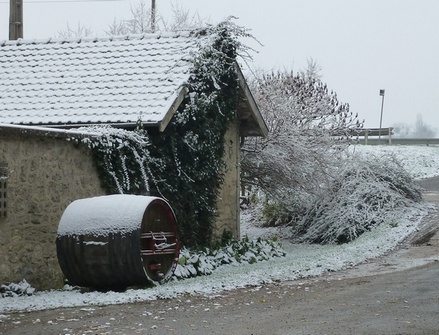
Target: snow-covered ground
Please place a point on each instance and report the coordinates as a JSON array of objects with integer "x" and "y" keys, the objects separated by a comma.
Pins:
[
  {"x": 301, "y": 260},
  {"x": 419, "y": 161}
]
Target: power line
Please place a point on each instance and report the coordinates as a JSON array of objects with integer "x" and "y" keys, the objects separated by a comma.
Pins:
[{"x": 61, "y": 1}]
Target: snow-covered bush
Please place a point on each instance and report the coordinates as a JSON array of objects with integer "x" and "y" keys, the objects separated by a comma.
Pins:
[
  {"x": 204, "y": 261},
  {"x": 366, "y": 193},
  {"x": 302, "y": 169},
  {"x": 14, "y": 290},
  {"x": 285, "y": 212},
  {"x": 309, "y": 131}
]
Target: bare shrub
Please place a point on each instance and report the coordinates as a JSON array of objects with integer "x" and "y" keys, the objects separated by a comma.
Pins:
[{"x": 365, "y": 194}]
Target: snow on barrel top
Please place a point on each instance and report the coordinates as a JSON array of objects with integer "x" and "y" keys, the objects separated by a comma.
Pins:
[{"x": 101, "y": 216}]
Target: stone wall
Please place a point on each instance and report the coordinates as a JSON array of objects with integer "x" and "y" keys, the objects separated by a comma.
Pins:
[
  {"x": 44, "y": 174},
  {"x": 40, "y": 175},
  {"x": 228, "y": 204}
]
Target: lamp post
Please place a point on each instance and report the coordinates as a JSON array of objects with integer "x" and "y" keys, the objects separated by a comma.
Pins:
[{"x": 381, "y": 117}]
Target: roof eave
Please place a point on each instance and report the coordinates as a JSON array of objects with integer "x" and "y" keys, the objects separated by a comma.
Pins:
[
  {"x": 174, "y": 104},
  {"x": 46, "y": 131},
  {"x": 252, "y": 122}
]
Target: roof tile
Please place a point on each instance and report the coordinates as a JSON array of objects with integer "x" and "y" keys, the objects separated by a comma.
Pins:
[{"x": 106, "y": 80}]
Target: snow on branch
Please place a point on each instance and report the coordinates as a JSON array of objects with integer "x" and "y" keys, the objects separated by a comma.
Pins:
[
  {"x": 366, "y": 193},
  {"x": 123, "y": 159},
  {"x": 308, "y": 131}
]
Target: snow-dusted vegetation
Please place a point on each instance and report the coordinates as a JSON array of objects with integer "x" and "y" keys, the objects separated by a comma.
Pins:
[
  {"x": 308, "y": 133},
  {"x": 301, "y": 260},
  {"x": 204, "y": 261},
  {"x": 304, "y": 175},
  {"x": 365, "y": 194},
  {"x": 16, "y": 289}
]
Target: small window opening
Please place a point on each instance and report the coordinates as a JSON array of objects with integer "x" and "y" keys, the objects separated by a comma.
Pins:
[{"x": 3, "y": 188}]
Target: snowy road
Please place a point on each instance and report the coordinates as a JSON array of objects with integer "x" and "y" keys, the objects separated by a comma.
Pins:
[
  {"x": 403, "y": 302},
  {"x": 394, "y": 303}
]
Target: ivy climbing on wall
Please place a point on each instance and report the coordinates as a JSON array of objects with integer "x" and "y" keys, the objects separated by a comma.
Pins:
[
  {"x": 193, "y": 146},
  {"x": 123, "y": 159},
  {"x": 184, "y": 164}
]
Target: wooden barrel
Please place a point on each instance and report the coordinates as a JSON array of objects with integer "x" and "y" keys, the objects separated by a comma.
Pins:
[{"x": 116, "y": 241}]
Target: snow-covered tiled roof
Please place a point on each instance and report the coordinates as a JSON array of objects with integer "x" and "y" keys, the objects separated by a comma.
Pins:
[{"x": 91, "y": 81}]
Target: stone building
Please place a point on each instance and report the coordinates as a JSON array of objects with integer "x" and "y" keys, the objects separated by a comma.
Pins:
[{"x": 49, "y": 89}]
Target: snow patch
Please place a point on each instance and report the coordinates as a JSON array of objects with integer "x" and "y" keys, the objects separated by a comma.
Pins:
[
  {"x": 420, "y": 161},
  {"x": 101, "y": 216},
  {"x": 94, "y": 243},
  {"x": 15, "y": 290}
]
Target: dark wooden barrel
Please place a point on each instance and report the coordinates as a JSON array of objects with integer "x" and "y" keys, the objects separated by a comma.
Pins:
[{"x": 116, "y": 241}]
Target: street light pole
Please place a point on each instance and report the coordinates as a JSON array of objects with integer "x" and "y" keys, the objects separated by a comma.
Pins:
[{"x": 381, "y": 117}]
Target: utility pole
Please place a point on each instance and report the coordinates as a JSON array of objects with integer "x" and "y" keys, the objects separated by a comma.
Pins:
[
  {"x": 381, "y": 117},
  {"x": 15, "y": 19},
  {"x": 153, "y": 16}
]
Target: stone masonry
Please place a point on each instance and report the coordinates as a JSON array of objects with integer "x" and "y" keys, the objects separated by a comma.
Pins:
[
  {"x": 228, "y": 203},
  {"x": 44, "y": 174},
  {"x": 40, "y": 175}
]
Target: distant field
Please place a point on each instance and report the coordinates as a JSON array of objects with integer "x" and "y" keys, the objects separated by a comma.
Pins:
[{"x": 421, "y": 161}]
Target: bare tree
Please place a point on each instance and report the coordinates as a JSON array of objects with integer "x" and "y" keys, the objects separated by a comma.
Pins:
[
  {"x": 419, "y": 130},
  {"x": 183, "y": 19},
  {"x": 423, "y": 130},
  {"x": 312, "y": 71},
  {"x": 118, "y": 27},
  {"x": 142, "y": 21},
  {"x": 80, "y": 31},
  {"x": 139, "y": 23},
  {"x": 402, "y": 130}
]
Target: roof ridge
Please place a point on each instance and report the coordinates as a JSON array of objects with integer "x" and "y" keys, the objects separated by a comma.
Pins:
[{"x": 111, "y": 38}]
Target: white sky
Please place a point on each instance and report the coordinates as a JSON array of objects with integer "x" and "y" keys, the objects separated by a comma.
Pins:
[{"x": 362, "y": 46}]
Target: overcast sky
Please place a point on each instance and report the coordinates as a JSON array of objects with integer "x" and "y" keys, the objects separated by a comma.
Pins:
[{"x": 362, "y": 46}]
